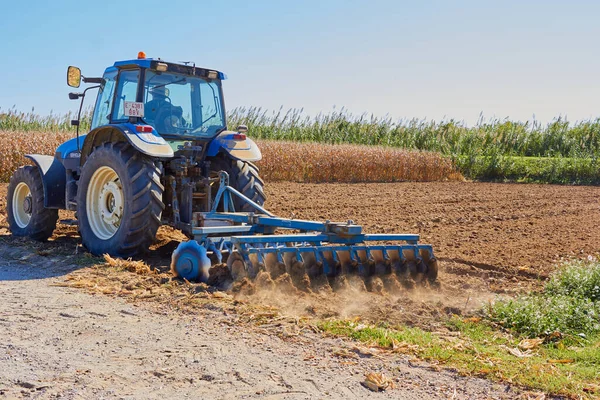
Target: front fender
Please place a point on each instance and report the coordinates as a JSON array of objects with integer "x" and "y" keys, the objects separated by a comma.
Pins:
[
  {"x": 149, "y": 143},
  {"x": 239, "y": 149},
  {"x": 54, "y": 178}
]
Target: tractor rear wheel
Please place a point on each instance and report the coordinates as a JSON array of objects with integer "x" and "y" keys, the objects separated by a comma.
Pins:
[
  {"x": 27, "y": 215},
  {"x": 244, "y": 177},
  {"x": 119, "y": 201}
]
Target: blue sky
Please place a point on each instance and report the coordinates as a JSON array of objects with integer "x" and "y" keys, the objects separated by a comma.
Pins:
[{"x": 423, "y": 59}]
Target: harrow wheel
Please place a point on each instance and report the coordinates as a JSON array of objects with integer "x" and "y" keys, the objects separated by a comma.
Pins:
[
  {"x": 190, "y": 261},
  {"x": 119, "y": 201},
  {"x": 27, "y": 215}
]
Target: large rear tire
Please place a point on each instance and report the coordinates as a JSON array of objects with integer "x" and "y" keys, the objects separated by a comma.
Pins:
[
  {"x": 244, "y": 177},
  {"x": 119, "y": 201},
  {"x": 27, "y": 215}
]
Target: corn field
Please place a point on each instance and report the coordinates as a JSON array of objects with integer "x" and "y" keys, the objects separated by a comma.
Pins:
[
  {"x": 282, "y": 161},
  {"x": 316, "y": 163},
  {"x": 557, "y": 152}
]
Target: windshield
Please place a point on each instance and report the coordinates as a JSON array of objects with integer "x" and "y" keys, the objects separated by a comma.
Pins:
[{"x": 182, "y": 104}]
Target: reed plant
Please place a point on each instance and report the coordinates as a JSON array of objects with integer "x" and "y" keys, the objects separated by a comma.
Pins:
[{"x": 557, "y": 152}]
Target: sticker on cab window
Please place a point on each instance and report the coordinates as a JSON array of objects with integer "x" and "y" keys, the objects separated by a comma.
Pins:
[{"x": 133, "y": 109}]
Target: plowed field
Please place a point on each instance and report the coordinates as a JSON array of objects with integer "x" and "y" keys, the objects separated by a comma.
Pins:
[
  {"x": 512, "y": 229},
  {"x": 491, "y": 239}
]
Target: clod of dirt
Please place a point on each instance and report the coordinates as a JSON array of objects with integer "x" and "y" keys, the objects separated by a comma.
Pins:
[
  {"x": 244, "y": 287},
  {"x": 299, "y": 278},
  {"x": 285, "y": 285},
  {"x": 340, "y": 283},
  {"x": 449, "y": 310},
  {"x": 375, "y": 284},
  {"x": 219, "y": 276},
  {"x": 320, "y": 283},
  {"x": 276, "y": 269},
  {"x": 391, "y": 284},
  {"x": 357, "y": 283},
  {"x": 264, "y": 282}
]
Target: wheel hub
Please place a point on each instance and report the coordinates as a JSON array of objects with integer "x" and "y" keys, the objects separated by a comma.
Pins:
[
  {"x": 105, "y": 203},
  {"x": 22, "y": 205},
  {"x": 28, "y": 205},
  {"x": 111, "y": 200}
]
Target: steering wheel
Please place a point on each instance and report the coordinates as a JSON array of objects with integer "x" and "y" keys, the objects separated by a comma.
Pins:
[{"x": 169, "y": 119}]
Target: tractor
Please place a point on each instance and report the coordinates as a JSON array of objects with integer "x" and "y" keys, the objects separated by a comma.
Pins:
[{"x": 159, "y": 153}]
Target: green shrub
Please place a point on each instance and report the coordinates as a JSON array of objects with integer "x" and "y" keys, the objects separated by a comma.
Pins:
[
  {"x": 542, "y": 314},
  {"x": 580, "y": 279},
  {"x": 569, "y": 303}
]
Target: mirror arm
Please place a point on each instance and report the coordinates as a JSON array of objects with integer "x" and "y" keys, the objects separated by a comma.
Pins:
[
  {"x": 80, "y": 108},
  {"x": 91, "y": 80}
]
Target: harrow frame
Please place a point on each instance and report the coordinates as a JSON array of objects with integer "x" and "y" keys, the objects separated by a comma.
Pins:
[{"x": 252, "y": 236}]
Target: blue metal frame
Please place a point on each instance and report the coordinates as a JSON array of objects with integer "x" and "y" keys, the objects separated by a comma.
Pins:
[{"x": 252, "y": 234}]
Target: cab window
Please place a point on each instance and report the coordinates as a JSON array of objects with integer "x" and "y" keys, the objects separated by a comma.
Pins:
[
  {"x": 104, "y": 100},
  {"x": 126, "y": 91}
]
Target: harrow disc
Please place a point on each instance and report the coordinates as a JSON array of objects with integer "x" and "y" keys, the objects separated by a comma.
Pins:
[
  {"x": 236, "y": 266},
  {"x": 273, "y": 266},
  {"x": 432, "y": 270},
  {"x": 316, "y": 268}
]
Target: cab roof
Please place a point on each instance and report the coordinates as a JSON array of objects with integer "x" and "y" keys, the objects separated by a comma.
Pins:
[{"x": 152, "y": 63}]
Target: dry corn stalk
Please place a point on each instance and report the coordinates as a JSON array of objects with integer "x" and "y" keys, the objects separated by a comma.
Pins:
[
  {"x": 282, "y": 161},
  {"x": 377, "y": 382},
  {"x": 317, "y": 163},
  {"x": 529, "y": 344}
]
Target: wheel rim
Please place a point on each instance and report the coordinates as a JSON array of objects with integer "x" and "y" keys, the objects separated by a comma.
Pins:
[
  {"x": 104, "y": 203},
  {"x": 22, "y": 205}
]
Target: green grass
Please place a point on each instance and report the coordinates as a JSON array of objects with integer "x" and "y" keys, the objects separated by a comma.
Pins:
[
  {"x": 561, "y": 151},
  {"x": 566, "y": 315},
  {"x": 481, "y": 350}
]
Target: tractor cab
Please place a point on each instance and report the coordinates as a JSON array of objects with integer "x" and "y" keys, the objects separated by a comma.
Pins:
[{"x": 177, "y": 101}]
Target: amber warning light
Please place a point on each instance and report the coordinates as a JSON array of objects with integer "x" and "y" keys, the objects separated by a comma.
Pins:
[{"x": 141, "y": 55}]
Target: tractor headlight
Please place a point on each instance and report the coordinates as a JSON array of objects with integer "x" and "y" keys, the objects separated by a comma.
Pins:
[
  {"x": 213, "y": 74},
  {"x": 162, "y": 67}
]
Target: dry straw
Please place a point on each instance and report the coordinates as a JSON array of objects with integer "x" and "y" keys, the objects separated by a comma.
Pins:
[{"x": 282, "y": 161}]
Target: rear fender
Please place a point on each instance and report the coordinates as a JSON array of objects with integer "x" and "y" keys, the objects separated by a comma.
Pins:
[
  {"x": 149, "y": 143},
  {"x": 54, "y": 178},
  {"x": 239, "y": 149}
]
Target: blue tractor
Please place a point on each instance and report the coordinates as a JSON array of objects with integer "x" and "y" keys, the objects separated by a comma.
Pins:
[{"x": 159, "y": 152}]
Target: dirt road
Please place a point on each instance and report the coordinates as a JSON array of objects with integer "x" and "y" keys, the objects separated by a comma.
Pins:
[{"x": 59, "y": 342}]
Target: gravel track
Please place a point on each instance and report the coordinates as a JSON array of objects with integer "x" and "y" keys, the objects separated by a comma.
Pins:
[{"x": 63, "y": 343}]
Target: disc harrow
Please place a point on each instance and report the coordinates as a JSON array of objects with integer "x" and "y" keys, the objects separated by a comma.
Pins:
[{"x": 247, "y": 242}]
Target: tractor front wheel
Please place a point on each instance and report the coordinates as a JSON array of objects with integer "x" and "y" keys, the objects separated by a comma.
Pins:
[
  {"x": 119, "y": 201},
  {"x": 27, "y": 215}
]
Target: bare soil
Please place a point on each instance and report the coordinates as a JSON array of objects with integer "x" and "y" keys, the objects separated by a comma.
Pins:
[{"x": 492, "y": 240}]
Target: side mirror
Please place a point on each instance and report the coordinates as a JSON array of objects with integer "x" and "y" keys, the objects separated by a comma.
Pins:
[{"x": 73, "y": 77}]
